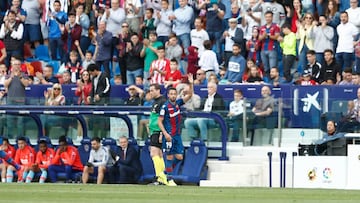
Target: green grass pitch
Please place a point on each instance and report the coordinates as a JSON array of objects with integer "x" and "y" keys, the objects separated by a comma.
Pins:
[{"x": 78, "y": 193}]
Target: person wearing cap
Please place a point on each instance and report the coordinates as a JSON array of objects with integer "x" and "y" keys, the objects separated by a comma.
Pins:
[
  {"x": 67, "y": 159},
  {"x": 230, "y": 37},
  {"x": 306, "y": 79}
]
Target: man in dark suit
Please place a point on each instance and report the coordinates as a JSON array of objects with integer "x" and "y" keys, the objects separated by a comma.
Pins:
[
  {"x": 127, "y": 166},
  {"x": 213, "y": 102},
  {"x": 100, "y": 91}
]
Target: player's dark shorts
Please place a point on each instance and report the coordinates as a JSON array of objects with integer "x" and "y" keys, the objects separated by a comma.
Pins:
[{"x": 154, "y": 139}]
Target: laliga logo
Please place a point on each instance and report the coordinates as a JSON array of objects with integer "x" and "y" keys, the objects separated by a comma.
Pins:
[
  {"x": 309, "y": 101},
  {"x": 327, "y": 173}
]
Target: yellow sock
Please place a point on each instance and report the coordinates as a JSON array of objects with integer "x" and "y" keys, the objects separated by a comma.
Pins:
[
  {"x": 162, "y": 164},
  {"x": 157, "y": 165}
]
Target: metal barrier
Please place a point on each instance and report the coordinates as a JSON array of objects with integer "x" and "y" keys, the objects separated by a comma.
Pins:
[{"x": 111, "y": 111}]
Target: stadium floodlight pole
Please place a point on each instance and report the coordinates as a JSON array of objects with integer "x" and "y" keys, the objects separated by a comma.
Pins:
[{"x": 270, "y": 168}]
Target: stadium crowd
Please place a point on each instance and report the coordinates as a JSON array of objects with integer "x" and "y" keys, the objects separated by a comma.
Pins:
[{"x": 237, "y": 41}]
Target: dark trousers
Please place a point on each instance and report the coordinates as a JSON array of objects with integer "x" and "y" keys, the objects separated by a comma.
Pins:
[{"x": 288, "y": 63}]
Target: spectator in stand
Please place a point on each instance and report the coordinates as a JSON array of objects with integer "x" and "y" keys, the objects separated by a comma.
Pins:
[
  {"x": 313, "y": 67},
  {"x": 213, "y": 78},
  {"x": 269, "y": 34},
  {"x": 230, "y": 37},
  {"x": 159, "y": 67},
  {"x": 276, "y": 8},
  {"x": 56, "y": 20},
  {"x": 114, "y": 17},
  {"x": 198, "y": 35},
  {"x": 200, "y": 78},
  {"x": 25, "y": 157},
  {"x": 173, "y": 77},
  {"x": 124, "y": 38},
  {"x": 330, "y": 72},
  {"x": 2, "y": 52},
  {"x": 294, "y": 14},
  {"x": 84, "y": 87},
  {"x": 182, "y": 20},
  {"x": 149, "y": 52},
  {"x": 323, "y": 37},
  {"x": 139, "y": 81},
  {"x": 357, "y": 55},
  {"x": 97, "y": 163},
  {"x": 173, "y": 49},
  {"x": 20, "y": 13},
  {"x": 148, "y": 25},
  {"x": 306, "y": 42},
  {"x": 134, "y": 60},
  {"x": 100, "y": 90},
  {"x": 12, "y": 34},
  {"x": 236, "y": 66},
  {"x": 88, "y": 58},
  {"x": 54, "y": 96},
  {"x": 354, "y": 13},
  {"x": 133, "y": 11},
  {"x": 235, "y": 116},
  {"x": 255, "y": 76},
  {"x": 215, "y": 11},
  {"x": 47, "y": 77},
  {"x": 347, "y": 37},
  {"x": 212, "y": 103},
  {"x": 253, "y": 46},
  {"x": 333, "y": 16},
  {"x": 3, "y": 72},
  {"x": 43, "y": 160},
  {"x": 9, "y": 154},
  {"x": 66, "y": 78},
  {"x": 192, "y": 59},
  {"x": 356, "y": 78},
  {"x": 208, "y": 61},
  {"x": 275, "y": 79},
  {"x": 32, "y": 33},
  {"x": 104, "y": 42},
  {"x": 162, "y": 22},
  {"x": 73, "y": 66},
  {"x": 249, "y": 19},
  {"x": 194, "y": 102},
  {"x": 83, "y": 20},
  {"x": 347, "y": 77},
  {"x": 135, "y": 96},
  {"x": 288, "y": 46},
  {"x": 67, "y": 159},
  {"x": 306, "y": 79},
  {"x": 15, "y": 83}
]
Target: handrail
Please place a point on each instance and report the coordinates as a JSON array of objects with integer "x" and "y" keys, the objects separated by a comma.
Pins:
[{"x": 114, "y": 111}]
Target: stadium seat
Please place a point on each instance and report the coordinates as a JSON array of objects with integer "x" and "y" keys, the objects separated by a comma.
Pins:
[
  {"x": 194, "y": 168},
  {"x": 56, "y": 66},
  {"x": 148, "y": 173},
  {"x": 42, "y": 53},
  {"x": 111, "y": 144},
  {"x": 132, "y": 142},
  {"x": 84, "y": 150}
]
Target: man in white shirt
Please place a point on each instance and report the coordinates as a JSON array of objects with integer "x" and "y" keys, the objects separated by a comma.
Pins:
[
  {"x": 198, "y": 35},
  {"x": 354, "y": 13},
  {"x": 347, "y": 33},
  {"x": 132, "y": 8},
  {"x": 98, "y": 160},
  {"x": 213, "y": 102}
]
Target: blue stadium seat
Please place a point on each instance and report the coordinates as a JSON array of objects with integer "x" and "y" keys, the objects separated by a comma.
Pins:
[
  {"x": 147, "y": 164},
  {"x": 132, "y": 142},
  {"x": 111, "y": 144},
  {"x": 56, "y": 66},
  {"x": 195, "y": 167},
  {"x": 84, "y": 150},
  {"x": 42, "y": 53}
]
